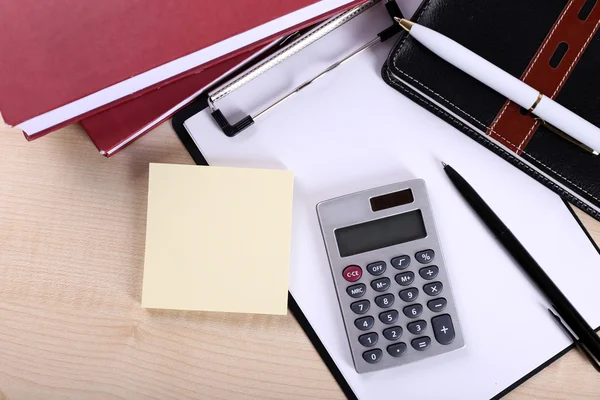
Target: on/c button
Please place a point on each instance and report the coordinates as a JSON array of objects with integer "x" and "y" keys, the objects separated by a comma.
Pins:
[{"x": 352, "y": 273}]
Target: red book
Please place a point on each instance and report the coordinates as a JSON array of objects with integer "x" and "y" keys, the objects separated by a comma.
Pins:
[
  {"x": 69, "y": 59},
  {"x": 118, "y": 126}
]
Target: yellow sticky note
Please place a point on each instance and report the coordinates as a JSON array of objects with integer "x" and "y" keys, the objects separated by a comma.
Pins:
[{"x": 218, "y": 239}]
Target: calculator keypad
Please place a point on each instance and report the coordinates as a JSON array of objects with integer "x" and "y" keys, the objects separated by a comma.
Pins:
[{"x": 389, "y": 339}]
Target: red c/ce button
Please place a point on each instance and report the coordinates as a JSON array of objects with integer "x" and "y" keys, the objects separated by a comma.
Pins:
[{"x": 352, "y": 273}]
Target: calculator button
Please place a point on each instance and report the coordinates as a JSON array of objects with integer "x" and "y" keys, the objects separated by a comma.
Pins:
[
  {"x": 421, "y": 343},
  {"x": 364, "y": 323},
  {"x": 376, "y": 268},
  {"x": 356, "y": 291},
  {"x": 433, "y": 288},
  {"x": 443, "y": 329},
  {"x": 352, "y": 273},
  {"x": 381, "y": 285},
  {"x": 372, "y": 356},
  {"x": 425, "y": 256},
  {"x": 405, "y": 278},
  {"x": 409, "y": 295},
  {"x": 368, "y": 339},
  {"x": 401, "y": 262},
  {"x": 437, "y": 305},
  {"x": 385, "y": 300},
  {"x": 417, "y": 327},
  {"x": 396, "y": 350},
  {"x": 392, "y": 333},
  {"x": 360, "y": 307},
  {"x": 429, "y": 273},
  {"x": 413, "y": 311},
  {"x": 389, "y": 317}
]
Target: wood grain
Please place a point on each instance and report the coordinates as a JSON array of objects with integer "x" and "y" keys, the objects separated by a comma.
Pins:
[{"x": 72, "y": 228}]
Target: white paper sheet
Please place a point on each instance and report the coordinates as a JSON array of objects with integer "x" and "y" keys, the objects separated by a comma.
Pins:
[{"x": 350, "y": 131}]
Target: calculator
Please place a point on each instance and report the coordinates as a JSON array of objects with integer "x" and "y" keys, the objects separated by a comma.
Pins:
[{"x": 390, "y": 276}]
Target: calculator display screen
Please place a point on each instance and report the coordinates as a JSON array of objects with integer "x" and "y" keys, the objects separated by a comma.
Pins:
[{"x": 384, "y": 232}]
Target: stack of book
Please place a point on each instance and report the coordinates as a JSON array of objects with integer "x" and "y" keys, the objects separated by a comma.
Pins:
[{"x": 121, "y": 68}]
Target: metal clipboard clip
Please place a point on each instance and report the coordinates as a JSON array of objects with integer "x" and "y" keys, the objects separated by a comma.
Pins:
[{"x": 291, "y": 46}]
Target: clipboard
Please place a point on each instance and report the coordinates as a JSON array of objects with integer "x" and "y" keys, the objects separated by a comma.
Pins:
[{"x": 191, "y": 144}]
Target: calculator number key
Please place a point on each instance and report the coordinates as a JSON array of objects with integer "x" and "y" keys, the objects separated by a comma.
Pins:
[
  {"x": 443, "y": 329},
  {"x": 413, "y": 311},
  {"x": 437, "y": 305},
  {"x": 429, "y": 273},
  {"x": 369, "y": 339},
  {"x": 364, "y": 323},
  {"x": 381, "y": 285},
  {"x": 421, "y": 343},
  {"x": 425, "y": 256},
  {"x": 389, "y": 317},
  {"x": 385, "y": 300},
  {"x": 433, "y": 288},
  {"x": 401, "y": 262},
  {"x": 409, "y": 294},
  {"x": 352, "y": 273},
  {"x": 372, "y": 356},
  {"x": 417, "y": 327},
  {"x": 397, "y": 350},
  {"x": 360, "y": 307},
  {"x": 405, "y": 278},
  {"x": 376, "y": 268},
  {"x": 356, "y": 291},
  {"x": 392, "y": 333}
]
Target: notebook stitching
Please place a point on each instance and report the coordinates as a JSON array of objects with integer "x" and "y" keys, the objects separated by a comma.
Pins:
[
  {"x": 527, "y": 71},
  {"x": 482, "y": 124}
]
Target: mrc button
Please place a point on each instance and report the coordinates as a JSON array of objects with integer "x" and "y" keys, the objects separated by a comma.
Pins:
[
  {"x": 356, "y": 291},
  {"x": 352, "y": 273}
]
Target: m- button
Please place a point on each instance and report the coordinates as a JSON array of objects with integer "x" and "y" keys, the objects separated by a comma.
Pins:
[{"x": 352, "y": 273}]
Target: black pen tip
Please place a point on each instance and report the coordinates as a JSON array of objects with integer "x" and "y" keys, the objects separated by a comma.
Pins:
[{"x": 443, "y": 164}]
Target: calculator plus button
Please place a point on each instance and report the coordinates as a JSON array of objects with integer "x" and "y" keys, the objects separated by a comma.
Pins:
[
  {"x": 372, "y": 356},
  {"x": 364, "y": 323},
  {"x": 413, "y": 311},
  {"x": 421, "y": 343},
  {"x": 417, "y": 327},
  {"x": 385, "y": 300},
  {"x": 381, "y": 285},
  {"x": 401, "y": 262},
  {"x": 360, "y": 307},
  {"x": 409, "y": 294},
  {"x": 437, "y": 305},
  {"x": 352, "y": 273},
  {"x": 389, "y": 317},
  {"x": 425, "y": 256},
  {"x": 376, "y": 268},
  {"x": 433, "y": 288},
  {"x": 368, "y": 339},
  {"x": 405, "y": 278},
  {"x": 443, "y": 329},
  {"x": 392, "y": 333},
  {"x": 356, "y": 291},
  {"x": 429, "y": 273},
  {"x": 396, "y": 350}
]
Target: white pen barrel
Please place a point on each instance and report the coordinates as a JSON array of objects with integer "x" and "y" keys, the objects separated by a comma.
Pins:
[
  {"x": 476, "y": 66},
  {"x": 568, "y": 122}
]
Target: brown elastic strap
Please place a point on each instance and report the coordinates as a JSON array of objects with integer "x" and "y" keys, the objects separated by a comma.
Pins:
[{"x": 510, "y": 127}]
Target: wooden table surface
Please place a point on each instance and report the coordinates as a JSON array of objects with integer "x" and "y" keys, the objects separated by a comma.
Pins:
[{"x": 72, "y": 231}]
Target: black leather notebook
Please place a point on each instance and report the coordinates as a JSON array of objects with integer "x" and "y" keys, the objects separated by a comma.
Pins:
[{"x": 553, "y": 45}]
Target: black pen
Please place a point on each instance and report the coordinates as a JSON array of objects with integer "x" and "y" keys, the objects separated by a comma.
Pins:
[{"x": 588, "y": 340}]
